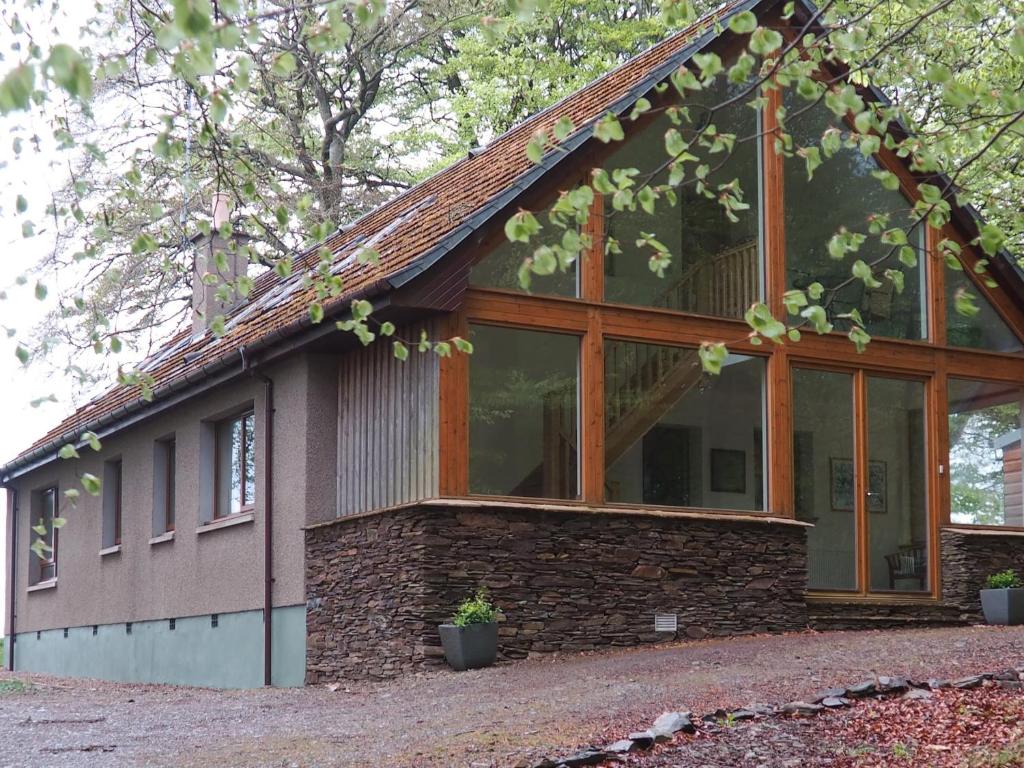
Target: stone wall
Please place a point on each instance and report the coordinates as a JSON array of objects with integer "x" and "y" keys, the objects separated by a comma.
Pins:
[
  {"x": 872, "y": 614},
  {"x": 378, "y": 585},
  {"x": 968, "y": 557}
]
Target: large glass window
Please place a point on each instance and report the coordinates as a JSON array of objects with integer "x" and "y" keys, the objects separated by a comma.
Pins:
[
  {"x": 236, "y": 464},
  {"x": 896, "y": 503},
  {"x": 676, "y": 437},
  {"x": 500, "y": 268},
  {"x": 523, "y": 413},
  {"x": 843, "y": 193},
  {"x": 985, "y": 453},
  {"x": 823, "y": 475},
  {"x": 715, "y": 268},
  {"x": 984, "y": 330}
]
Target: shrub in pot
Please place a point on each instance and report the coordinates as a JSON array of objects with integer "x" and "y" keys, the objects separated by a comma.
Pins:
[
  {"x": 470, "y": 641},
  {"x": 1002, "y": 600}
]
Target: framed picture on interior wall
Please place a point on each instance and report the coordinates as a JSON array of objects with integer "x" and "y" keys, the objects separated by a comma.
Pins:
[
  {"x": 877, "y": 488},
  {"x": 843, "y": 489},
  {"x": 841, "y": 484},
  {"x": 728, "y": 471}
]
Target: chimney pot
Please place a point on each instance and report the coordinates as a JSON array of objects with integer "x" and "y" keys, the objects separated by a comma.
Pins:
[{"x": 220, "y": 208}]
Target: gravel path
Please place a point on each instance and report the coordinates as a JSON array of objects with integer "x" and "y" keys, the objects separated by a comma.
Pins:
[{"x": 499, "y": 716}]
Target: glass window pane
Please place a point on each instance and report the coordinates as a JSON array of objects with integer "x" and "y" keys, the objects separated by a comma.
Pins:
[
  {"x": 844, "y": 194},
  {"x": 171, "y": 474},
  {"x": 823, "y": 475},
  {"x": 523, "y": 418},
  {"x": 897, "y": 499},
  {"x": 500, "y": 268},
  {"x": 676, "y": 437},
  {"x": 715, "y": 266},
  {"x": 249, "y": 458},
  {"x": 984, "y": 453},
  {"x": 986, "y": 329}
]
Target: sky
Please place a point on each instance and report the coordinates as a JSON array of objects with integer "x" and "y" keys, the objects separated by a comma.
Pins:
[{"x": 34, "y": 175}]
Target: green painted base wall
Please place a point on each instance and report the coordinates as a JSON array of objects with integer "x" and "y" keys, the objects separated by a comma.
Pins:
[{"x": 229, "y": 655}]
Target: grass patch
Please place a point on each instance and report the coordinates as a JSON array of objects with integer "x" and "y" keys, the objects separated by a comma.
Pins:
[
  {"x": 11, "y": 686},
  {"x": 1010, "y": 755}
]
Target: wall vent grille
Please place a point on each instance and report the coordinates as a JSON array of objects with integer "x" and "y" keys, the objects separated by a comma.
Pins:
[{"x": 666, "y": 622}]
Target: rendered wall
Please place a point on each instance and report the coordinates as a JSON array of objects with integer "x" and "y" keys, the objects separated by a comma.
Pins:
[
  {"x": 378, "y": 585},
  {"x": 229, "y": 655},
  {"x": 199, "y": 571}
]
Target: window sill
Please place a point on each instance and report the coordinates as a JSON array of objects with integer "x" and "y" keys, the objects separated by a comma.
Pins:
[
  {"x": 239, "y": 518},
  {"x": 110, "y": 550},
  {"x": 163, "y": 537},
  {"x": 42, "y": 585}
]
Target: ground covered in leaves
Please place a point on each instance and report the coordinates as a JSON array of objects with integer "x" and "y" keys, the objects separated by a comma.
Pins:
[
  {"x": 980, "y": 728},
  {"x": 515, "y": 714}
]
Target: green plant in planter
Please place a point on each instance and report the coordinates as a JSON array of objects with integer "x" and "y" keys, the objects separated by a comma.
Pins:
[
  {"x": 477, "y": 609},
  {"x": 1007, "y": 579}
]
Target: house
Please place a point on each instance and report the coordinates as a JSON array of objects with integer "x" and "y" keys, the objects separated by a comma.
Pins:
[{"x": 292, "y": 506}]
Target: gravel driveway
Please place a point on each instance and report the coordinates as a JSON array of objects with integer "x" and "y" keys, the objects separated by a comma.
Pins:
[{"x": 499, "y": 716}]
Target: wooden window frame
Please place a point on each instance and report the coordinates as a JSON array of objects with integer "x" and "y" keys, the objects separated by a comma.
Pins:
[
  {"x": 245, "y": 505},
  {"x": 930, "y": 360}
]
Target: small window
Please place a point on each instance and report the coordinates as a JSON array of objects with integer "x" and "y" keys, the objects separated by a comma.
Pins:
[
  {"x": 236, "y": 465},
  {"x": 43, "y": 559},
  {"x": 164, "y": 469},
  {"x": 112, "y": 474}
]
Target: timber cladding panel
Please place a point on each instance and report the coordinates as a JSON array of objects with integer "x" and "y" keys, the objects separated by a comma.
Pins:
[
  {"x": 378, "y": 585},
  {"x": 968, "y": 557}
]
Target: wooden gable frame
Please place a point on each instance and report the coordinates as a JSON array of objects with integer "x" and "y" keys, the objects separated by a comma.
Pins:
[{"x": 930, "y": 361}]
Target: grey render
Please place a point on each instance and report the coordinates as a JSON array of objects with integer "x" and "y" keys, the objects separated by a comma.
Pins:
[{"x": 200, "y": 571}]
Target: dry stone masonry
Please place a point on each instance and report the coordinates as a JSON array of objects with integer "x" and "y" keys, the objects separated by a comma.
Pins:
[{"x": 378, "y": 585}]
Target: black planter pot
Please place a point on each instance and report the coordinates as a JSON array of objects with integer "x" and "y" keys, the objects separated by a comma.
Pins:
[
  {"x": 1003, "y": 606},
  {"x": 470, "y": 647}
]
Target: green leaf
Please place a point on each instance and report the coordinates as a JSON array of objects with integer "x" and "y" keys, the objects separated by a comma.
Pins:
[
  {"x": 92, "y": 440},
  {"x": 91, "y": 484},
  {"x": 464, "y": 346},
  {"x": 765, "y": 41},
  {"x": 400, "y": 350},
  {"x": 316, "y": 312},
  {"x": 40, "y": 291},
  {"x": 68, "y": 452},
  {"x": 521, "y": 227},
  {"x": 16, "y": 89},
  {"x": 70, "y": 71},
  {"x": 22, "y": 354},
  {"x": 713, "y": 356},
  {"x": 862, "y": 272},
  {"x": 743, "y": 23},
  {"x": 21, "y": 204},
  {"x": 564, "y": 128},
  {"x": 284, "y": 64},
  {"x": 608, "y": 129}
]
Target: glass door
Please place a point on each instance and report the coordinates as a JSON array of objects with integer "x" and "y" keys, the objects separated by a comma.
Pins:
[
  {"x": 896, "y": 498},
  {"x": 860, "y": 476}
]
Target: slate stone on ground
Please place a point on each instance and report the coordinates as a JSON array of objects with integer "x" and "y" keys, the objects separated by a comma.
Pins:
[
  {"x": 828, "y": 693},
  {"x": 972, "y": 681},
  {"x": 835, "y": 702},
  {"x": 670, "y": 723},
  {"x": 585, "y": 757},
  {"x": 864, "y": 688},
  {"x": 642, "y": 739},
  {"x": 801, "y": 708}
]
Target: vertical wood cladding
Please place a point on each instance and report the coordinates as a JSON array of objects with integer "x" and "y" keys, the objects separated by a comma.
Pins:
[
  {"x": 387, "y": 428},
  {"x": 378, "y": 586}
]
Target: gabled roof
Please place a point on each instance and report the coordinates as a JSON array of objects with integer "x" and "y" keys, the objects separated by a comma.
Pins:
[{"x": 411, "y": 232}]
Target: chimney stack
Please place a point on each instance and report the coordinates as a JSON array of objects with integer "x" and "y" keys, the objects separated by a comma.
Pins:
[{"x": 206, "y": 304}]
